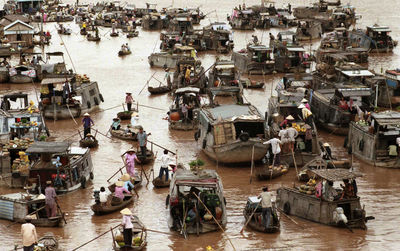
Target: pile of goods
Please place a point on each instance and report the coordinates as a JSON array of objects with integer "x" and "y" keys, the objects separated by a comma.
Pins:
[
  {"x": 309, "y": 188},
  {"x": 21, "y": 164},
  {"x": 119, "y": 238},
  {"x": 18, "y": 143},
  {"x": 281, "y": 168},
  {"x": 362, "y": 123},
  {"x": 82, "y": 78},
  {"x": 299, "y": 127},
  {"x": 25, "y": 123}
]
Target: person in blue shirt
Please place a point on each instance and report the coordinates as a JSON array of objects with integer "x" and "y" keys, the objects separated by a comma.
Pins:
[{"x": 87, "y": 124}]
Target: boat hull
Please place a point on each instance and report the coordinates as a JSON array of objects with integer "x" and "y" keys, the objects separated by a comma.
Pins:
[
  {"x": 64, "y": 113},
  {"x": 98, "y": 209},
  {"x": 20, "y": 79}
]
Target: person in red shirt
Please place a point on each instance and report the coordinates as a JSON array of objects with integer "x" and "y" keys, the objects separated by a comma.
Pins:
[{"x": 343, "y": 104}]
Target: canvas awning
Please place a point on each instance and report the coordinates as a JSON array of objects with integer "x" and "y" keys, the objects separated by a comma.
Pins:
[
  {"x": 224, "y": 66},
  {"x": 48, "y": 147},
  {"x": 358, "y": 73},
  {"x": 337, "y": 174}
]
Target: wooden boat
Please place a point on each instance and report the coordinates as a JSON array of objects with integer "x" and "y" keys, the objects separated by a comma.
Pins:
[
  {"x": 319, "y": 163},
  {"x": 309, "y": 30},
  {"x": 16, "y": 206},
  {"x": 175, "y": 121},
  {"x": 146, "y": 159},
  {"x": 223, "y": 75},
  {"x": 371, "y": 143},
  {"x": 256, "y": 221},
  {"x": 83, "y": 32},
  {"x": 114, "y": 34},
  {"x": 4, "y": 74},
  {"x": 376, "y": 38},
  {"x": 125, "y": 115},
  {"x": 159, "y": 183},
  {"x": 295, "y": 202},
  {"x": 137, "y": 183},
  {"x": 132, "y": 34},
  {"x": 120, "y": 134},
  {"x": 107, "y": 208},
  {"x": 49, "y": 241},
  {"x": 88, "y": 143},
  {"x": 139, "y": 234},
  {"x": 252, "y": 84},
  {"x": 208, "y": 186},
  {"x": 93, "y": 38},
  {"x": 171, "y": 58},
  {"x": 158, "y": 90},
  {"x": 254, "y": 59},
  {"x": 267, "y": 172},
  {"x": 69, "y": 168},
  {"x": 124, "y": 52}
]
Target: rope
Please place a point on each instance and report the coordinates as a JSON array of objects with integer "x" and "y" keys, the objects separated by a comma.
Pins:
[
  {"x": 72, "y": 116},
  {"x": 69, "y": 56}
]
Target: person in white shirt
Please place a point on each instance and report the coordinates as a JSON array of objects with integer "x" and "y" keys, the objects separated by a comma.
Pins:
[
  {"x": 165, "y": 160},
  {"x": 284, "y": 138},
  {"x": 103, "y": 195},
  {"x": 266, "y": 205},
  {"x": 276, "y": 149},
  {"x": 29, "y": 236},
  {"x": 292, "y": 135}
]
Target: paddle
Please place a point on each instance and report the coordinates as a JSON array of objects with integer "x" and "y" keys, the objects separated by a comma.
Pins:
[
  {"x": 62, "y": 214},
  {"x": 95, "y": 238},
  {"x": 247, "y": 222},
  {"x": 119, "y": 170}
]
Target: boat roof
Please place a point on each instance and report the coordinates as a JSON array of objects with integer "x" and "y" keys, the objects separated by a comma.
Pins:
[
  {"x": 233, "y": 112},
  {"x": 18, "y": 197},
  {"x": 48, "y": 147},
  {"x": 357, "y": 73},
  {"x": 337, "y": 174},
  {"x": 287, "y": 33},
  {"x": 351, "y": 92},
  {"x": 48, "y": 81},
  {"x": 295, "y": 49},
  {"x": 259, "y": 48},
  {"x": 187, "y": 90},
  {"x": 254, "y": 199},
  {"x": 205, "y": 177},
  {"x": 378, "y": 28},
  {"x": 225, "y": 65},
  {"x": 387, "y": 117}
]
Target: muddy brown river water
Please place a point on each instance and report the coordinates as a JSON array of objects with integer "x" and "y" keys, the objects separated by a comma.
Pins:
[{"x": 378, "y": 188}]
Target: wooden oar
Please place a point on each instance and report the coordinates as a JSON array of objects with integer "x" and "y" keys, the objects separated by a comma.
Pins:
[
  {"x": 102, "y": 134},
  {"x": 295, "y": 164},
  {"x": 252, "y": 164},
  {"x": 95, "y": 238},
  {"x": 161, "y": 147},
  {"x": 247, "y": 222},
  {"x": 156, "y": 231},
  {"x": 147, "y": 82},
  {"x": 62, "y": 214},
  {"x": 119, "y": 170},
  {"x": 290, "y": 218}
]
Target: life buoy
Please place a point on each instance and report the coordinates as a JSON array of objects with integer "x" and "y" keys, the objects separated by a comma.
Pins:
[
  {"x": 89, "y": 105},
  {"x": 83, "y": 182},
  {"x": 286, "y": 208},
  {"x": 101, "y": 97},
  {"x": 244, "y": 136},
  {"x": 96, "y": 101}
]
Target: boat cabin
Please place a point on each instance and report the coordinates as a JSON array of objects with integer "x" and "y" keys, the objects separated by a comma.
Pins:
[
  {"x": 255, "y": 59},
  {"x": 187, "y": 187},
  {"x": 308, "y": 30},
  {"x": 152, "y": 21},
  {"x": 218, "y": 36},
  {"x": 54, "y": 69},
  {"x": 375, "y": 140},
  {"x": 181, "y": 24},
  {"x": 335, "y": 210},
  {"x": 190, "y": 98},
  {"x": 242, "y": 19},
  {"x": 223, "y": 73},
  {"x": 376, "y": 38},
  {"x": 69, "y": 168},
  {"x": 189, "y": 72},
  {"x": 291, "y": 59}
]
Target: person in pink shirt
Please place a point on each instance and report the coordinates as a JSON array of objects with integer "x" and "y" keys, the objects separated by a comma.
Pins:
[
  {"x": 130, "y": 159},
  {"x": 127, "y": 225},
  {"x": 129, "y": 100},
  {"x": 119, "y": 193}
]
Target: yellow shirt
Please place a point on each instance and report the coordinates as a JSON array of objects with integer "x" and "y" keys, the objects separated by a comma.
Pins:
[{"x": 29, "y": 235}]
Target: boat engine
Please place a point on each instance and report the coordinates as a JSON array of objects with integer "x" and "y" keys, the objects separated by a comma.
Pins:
[
  {"x": 339, "y": 217},
  {"x": 96, "y": 195}
]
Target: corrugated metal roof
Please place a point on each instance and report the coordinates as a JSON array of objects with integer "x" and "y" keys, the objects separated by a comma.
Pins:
[
  {"x": 48, "y": 147},
  {"x": 358, "y": 73},
  {"x": 232, "y": 112},
  {"x": 205, "y": 174},
  {"x": 387, "y": 118},
  {"x": 6, "y": 210},
  {"x": 337, "y": 174}
]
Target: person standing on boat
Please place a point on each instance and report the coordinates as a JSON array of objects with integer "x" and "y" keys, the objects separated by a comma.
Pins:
[
  {"x": 292, "y": 135},
  {"x": 129, "y": 100},
  {"x": 130, "y": 159},
  {"x": 276, "y": 149},
  {"x": 284, "y": 138},
  {"x": 51, "y": 197},
  {"x": 29, "y": 235},
  {"x": 87, "y": 124},
  {"x": 127, "y": 225},
  {"x": 142, "y": 139},
  {"x": 165, "y": 161},
  {"x": 307, "y": 114},
  {"x": 266, "y": 205}
]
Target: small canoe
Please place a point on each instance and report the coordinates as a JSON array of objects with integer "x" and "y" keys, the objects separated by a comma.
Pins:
[
  {"x": 124, "y": 52},
  {"x": 56, "y": 221},
  {"x": 158, "y": 90},
  {"x": 256, "y": 222},
  {"x": 266, "y": 172},
  {"x": 88, "y": 143},
  {"x": 160, "y": 183},
  {"x": 125, "y": 115},
  {"x": 139, "y": 237},
  {"x": 132, "y": 34},
  {"x": 145, "y": 159},
  {"x": 120, "y": 134},
  {"x": 95, "y": 39},
  {"x": 252, "y": 84},
  {"x": 137, "y": 183},
  {"x": 49, "y": 241},
  {"x": 107, "y": 208},
  {"x": 114, "y": 34},
  {"x": 84, "y": 33}
]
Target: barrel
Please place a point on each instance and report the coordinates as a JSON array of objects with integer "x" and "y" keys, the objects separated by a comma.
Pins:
[{"x": 174, "y": 116}]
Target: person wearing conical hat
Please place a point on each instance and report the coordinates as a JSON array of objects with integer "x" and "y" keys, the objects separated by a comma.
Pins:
[
  {"x": 127, "y": 226},
  {"x": 119, "y": 193},
  {"x": 87, "y": 124},
  {"x": 305, "y": 102},
  {"x": 126, "y": 178},
  {"x": 326, "y": 151},
  {"x": 292, "y": 134},
  {"x": 129, "y": 100},
  {"x": 51, "y": 197},
  {"x": 116, "y": 124},
  {"x": 130, "y": 158}
]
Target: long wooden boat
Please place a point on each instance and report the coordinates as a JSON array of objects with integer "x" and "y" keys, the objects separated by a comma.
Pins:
[
  {"x": 267, "y": 172},
  {"x": 120, "y": 134},
  {"x": 137, "y": 183},
  {"x": 125, "y": 115},
  {"x": 124, "y": 52},
  {"x": 158, "y": 90},
  {"x": 146, "y": 159},
  {"x": 107, "y": 208},
  {"x": 93, "y": 38},
  {"x": 256, "y": 221},
  {"x": 88, "y": 143},
  {"x": 139, "y": 237},
  {"x": 160, "y": 183},
  {"x": 49, "y": 241},
  {"x": 16, "y": 206}
]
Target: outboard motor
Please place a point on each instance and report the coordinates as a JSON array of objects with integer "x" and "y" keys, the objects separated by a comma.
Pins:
[
  {"x": 339, "y": 217},
  {"x": 96, "y": 195}
]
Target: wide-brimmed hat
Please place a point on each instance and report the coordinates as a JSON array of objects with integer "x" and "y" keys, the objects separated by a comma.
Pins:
[
  {"x": 86, "y": 114},
  {"x": 128, "y": 92},
  {"x": 130, "y": 150},
  {"x": 88, "y": 135},
  {"x": 290, "y": 117},
  {"x": 48, "y": 182},
  {"x": 304, "y": 100},
  {"x": 126, "y": 211},
  {"x": 41, "y": 197},
  {"x": 125, "y": 177},
  {"x": 119, "y": 183},
  {"x": 301, "y": 106},
  {"x": 140, "y": 127},
  {"x": 307, "y": 126},
  {"x": 326, "y": 144}
]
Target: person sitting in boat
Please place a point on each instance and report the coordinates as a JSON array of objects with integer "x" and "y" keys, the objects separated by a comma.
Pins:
[
  {"x": 191, "y": 215},
  {"x": 116, "y": 124},
  {"x": 103, "y": 195},
  {"x": 127, "y": 226},
  {"x": 119, "y": 195},
  {"x": 307, "y": 114},
  {"x": 328, "y": 192},
  {"x": 165, "y": 161},
  {"x": 266, "y": 205},
  {"x": 126, "y": 178},
  {"x": 305, "y": 102},
  {"x": 348, "y": 190},
  {"x": 89, "y": 137},
  {"x": 287, "y": 120},
  {"x": 326, "y": 152}
]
